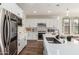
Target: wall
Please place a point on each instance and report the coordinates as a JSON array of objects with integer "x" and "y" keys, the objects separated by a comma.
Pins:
[
  {"x": 34, "y": 22},
  {"x": 50, "y": 22}
]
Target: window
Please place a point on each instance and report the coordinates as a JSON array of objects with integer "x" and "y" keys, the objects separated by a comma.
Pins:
[
  {"x": 66, "y": 26},
  {"x": 75, "y": 26},
  {"x": 71, "y": 25}
]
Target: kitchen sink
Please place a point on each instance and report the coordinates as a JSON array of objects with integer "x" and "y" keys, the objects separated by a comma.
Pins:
[
  {"x": 52, "y": 40},
  {"x": 49, "y": 38}
]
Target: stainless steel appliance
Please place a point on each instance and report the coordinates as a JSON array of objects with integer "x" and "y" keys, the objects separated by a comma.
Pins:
[
  {"x": 8, "y": 32},
  {"x": 42, "y": 29},
  {"x": 40, "y": 35}
]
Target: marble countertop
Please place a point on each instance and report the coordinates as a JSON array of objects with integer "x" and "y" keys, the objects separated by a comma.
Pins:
[{"x": 67, "y": 48}]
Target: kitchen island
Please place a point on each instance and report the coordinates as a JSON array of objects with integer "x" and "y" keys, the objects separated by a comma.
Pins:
[{"x": 66, "y": 48}]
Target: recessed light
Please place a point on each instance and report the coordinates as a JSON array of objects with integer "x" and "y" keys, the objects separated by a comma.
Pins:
[
  {"x": 58, "y": 17},
  {"x": 49, "y": 11},
  {"x": 67, "y": 12},
  {"x": 34, "y": 11}
]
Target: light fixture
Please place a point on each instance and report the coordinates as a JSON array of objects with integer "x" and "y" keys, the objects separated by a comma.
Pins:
[
  {"x": 67, "y": 12},
  {"x": 58, "y": 17},
  {"x": 49, "y": 11},
  {"x": 34, "y": 11}
]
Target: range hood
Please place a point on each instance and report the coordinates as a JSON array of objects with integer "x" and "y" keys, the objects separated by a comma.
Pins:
[{"x": 41, "y": 24}]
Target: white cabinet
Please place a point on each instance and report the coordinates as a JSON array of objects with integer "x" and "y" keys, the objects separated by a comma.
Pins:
[
  {"x": 19, "y": 46},
  {"x": 22, "y": 39},
  {"x": 35, "y": 35},
  {"x": 32, "y": 36},
  {"x": 22, "y": 42}
]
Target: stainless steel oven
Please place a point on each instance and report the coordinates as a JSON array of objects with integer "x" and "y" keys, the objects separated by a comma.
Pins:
[
  {"x": 13, "y": 34},
  {"x": 40, "y": 35},
  {"x": 13, "y": 29}
]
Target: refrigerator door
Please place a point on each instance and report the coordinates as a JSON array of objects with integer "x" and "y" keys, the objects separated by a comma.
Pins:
[
  {"x": 2, "y": 30},
  {"x": 5, "y": 32},
  {"x": 6, "y": 35}
]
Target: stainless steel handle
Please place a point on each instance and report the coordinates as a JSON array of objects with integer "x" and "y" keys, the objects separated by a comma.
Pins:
[
  {"x": 8, "y": 25},
  {"x": 4, "y": 34}
]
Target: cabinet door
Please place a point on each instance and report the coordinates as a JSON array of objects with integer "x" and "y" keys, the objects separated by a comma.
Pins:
[
  {"x": 36, "y": 36},
  {"x": 21, "y": 43},
  {"x": 19, "y": 46},
  {"x": 32, "y": 36},
  {"x": 24, "y": 42},
  {"x": 29, "y": 36}
]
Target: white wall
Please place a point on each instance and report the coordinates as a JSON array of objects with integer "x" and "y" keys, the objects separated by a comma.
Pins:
[
  {"x": 34, "y": 22},
  {"x": 50, "y": 22}
]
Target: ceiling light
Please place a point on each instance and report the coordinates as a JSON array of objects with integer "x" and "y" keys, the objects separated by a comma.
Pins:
[
  {"x": 67, "y": 12},
  {"x": 34, "y": 11},
  {"x": 58, "y": 17},
  {"x": 49, "y": 11}
]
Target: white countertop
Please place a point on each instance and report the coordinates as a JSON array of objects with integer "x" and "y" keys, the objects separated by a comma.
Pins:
[{"x": 68, "y": 48}]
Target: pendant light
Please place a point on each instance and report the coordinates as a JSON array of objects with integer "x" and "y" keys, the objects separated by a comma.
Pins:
[{"x": 67, "y": 12}]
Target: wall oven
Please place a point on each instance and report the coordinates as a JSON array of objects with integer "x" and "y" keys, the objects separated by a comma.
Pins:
[
  {"x": 42, "y": 29},
  {"x": 13, "y": 34},
  {"x": 40, "y": 35}
]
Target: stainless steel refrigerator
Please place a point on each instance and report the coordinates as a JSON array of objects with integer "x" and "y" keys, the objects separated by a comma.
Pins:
[{"x": 8, "y": 32}]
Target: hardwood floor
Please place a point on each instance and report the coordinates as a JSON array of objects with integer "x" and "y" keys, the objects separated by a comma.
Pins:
[{"x": 33, "y": 48}]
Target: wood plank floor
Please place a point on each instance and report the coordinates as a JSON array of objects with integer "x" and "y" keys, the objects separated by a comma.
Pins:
[{"x": 33, "y": 48}]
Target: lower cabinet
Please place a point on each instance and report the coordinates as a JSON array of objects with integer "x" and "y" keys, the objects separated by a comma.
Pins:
[
  {"x": 19, "y": 47},
  {"x": 45, "y": 50},
  {"x": 32, "y": 36},
  {"x": 21, "y": 44},
  {"x": 22, "y": 39}
]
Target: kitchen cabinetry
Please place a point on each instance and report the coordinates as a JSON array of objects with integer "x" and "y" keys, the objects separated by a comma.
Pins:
[
  {"x": 22, "y": 39},
  {"x": 32, "y": 36},
  {"x": 21, "y": 44}
]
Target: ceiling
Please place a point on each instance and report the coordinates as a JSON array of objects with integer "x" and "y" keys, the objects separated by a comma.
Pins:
[{"x": 50, "y": 9}]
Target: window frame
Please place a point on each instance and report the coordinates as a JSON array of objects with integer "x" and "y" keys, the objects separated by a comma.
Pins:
[{"x": 65, "y": 25}]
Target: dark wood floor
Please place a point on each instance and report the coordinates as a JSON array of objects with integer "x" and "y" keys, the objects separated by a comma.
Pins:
[{"x": 33, "y": 48}]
